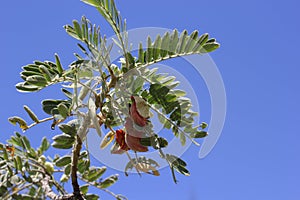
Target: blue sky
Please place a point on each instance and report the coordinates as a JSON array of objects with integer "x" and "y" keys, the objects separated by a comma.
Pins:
[{"x": 257, "y": 156}]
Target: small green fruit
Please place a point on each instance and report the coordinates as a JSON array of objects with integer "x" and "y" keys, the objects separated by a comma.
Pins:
[
  {"x": 42, "y": 159},
  {"x": 49, "y": 167}
]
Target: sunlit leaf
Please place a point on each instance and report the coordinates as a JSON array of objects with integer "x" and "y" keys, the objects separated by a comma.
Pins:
[
  {"x": 93, "y": 116},
  {"x": 108, "y": 138},
  {"x": 108, "y": 181},
  {"x": 31, "y": 114},
  {"x": 18, "y": 120},
  {"x": 199, "y": 134},
  {"x": 63, "y": 161}
]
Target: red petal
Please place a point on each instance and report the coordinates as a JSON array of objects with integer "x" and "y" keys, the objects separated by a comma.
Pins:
[
  {"x": 130, "y": 129},
  {"x": 133, "y": 137},
  {"x": 134, "y": 143},
  {"x": 120, "y": 139},
  {"x": 137, "y": 118}
]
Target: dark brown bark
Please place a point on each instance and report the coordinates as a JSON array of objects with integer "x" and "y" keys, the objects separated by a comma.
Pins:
[{"x": 76, "y": 152}]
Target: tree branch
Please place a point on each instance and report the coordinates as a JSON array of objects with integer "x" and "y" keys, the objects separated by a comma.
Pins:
[
  {"x": 49, "y": 192},
  {"x": 75, "y": 156}
]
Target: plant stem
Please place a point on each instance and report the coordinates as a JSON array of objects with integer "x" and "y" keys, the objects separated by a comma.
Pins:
[
  {"x": 75, "y": 157},
  {"x": 49, "y": 192},
  {"x": 40, "y": 121}
]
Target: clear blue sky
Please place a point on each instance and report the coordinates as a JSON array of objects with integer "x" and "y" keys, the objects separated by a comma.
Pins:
[{"x": 257, "y": 156}]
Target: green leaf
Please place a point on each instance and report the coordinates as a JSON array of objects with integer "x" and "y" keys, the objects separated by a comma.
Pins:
[
  {"x": 22, "y": 87},
  {"x": 94, "y": 173},
  {"x": 44, "y": 70},
  {"x": 3, "y": 189},
  {"x": 86, "y": 74},
  {"x": 167, "y": 125},
  {"x": 63, "y": 141},
  {"x": 91, "y": 197},
  {"x": 108, "y": 181},
  {"x": 32, "y": 68},
  {"x": 203, "y": 125},
  {"x": 31, "y": 114},
  {"x": 182, "y": 138},
  {"x": 67, "y": 93},
  {"x": 70, "y": 30},
  {"x": 176, "y": 161},
  {"x": 20, "y": 163},
  {"x": 63, "y": 110},
  {"x": 165, "y": 45},
  {"x": 199, "y": 134},
  {"x": 5, "y": 154},
  {"x": 67, "y": 170},
  {"x": 36, "y": 80},
  {"x": 68, "y": 129},
  {"x": 182, "y": 170},
  {"x": 182, "y": 42},
  {"x": 26, "y": 143},
  {"x": 58, "y": 64},
  {"x": 18, "y": 120},
  {"x": 77, "y": 28},
  {"x": 45, "y": 144},
  {"x": 32, "y": 153},
  {"x": 162, "y": 142},
  {"x": 16, "y": 141},
  {"x": 146, "y": 141},
  {"x": 179, "y": 93},
  {"x": 191, "y": 41},
  {"x": 62, "y": 146},
  {"x": 211, "y": 40},
  {"x": 131, "y": 60},
  {"x": 173, "y": 42},
  {"x": 94, "y": 3},
  {"x": 83, "y": 165},
  {"x": 64, "y": 178},
  {"x": 32, "y": 191},
  {"x": 63, "y": 161},
  {"x": 158, "y": 91},
  {"x": 25, "y": 74},
  {"x": 137, "y": 84},
  {"x": 209, "y": 47},
  {"x": 49, "y": 104},
  {"x": 157, "y": 47},
  {"x": 201, "y": 41},
  {"x": 154, "y": 141},
  {"x": 63, "y": 138},
  {"x": 171, "y": 46},
  {"x": 84, "y": 189},
  {"x": 149, "y": 50},
  {"x": 141, "y": 54}
]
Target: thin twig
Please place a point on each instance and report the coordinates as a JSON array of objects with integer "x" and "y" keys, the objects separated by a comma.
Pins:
[{"x": 40, "y": 121}]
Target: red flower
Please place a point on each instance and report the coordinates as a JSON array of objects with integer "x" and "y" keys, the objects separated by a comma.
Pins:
[
  {"x": 133, "y": 137},
  {"x": 138, "y": 110},
  {"x": 134, "y": 126},
  {"x": 120, "y": 145},
  {"x": 120, "y": 139}
]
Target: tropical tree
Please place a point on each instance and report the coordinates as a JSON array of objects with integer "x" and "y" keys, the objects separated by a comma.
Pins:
[{"x": 100, "y": 93}]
